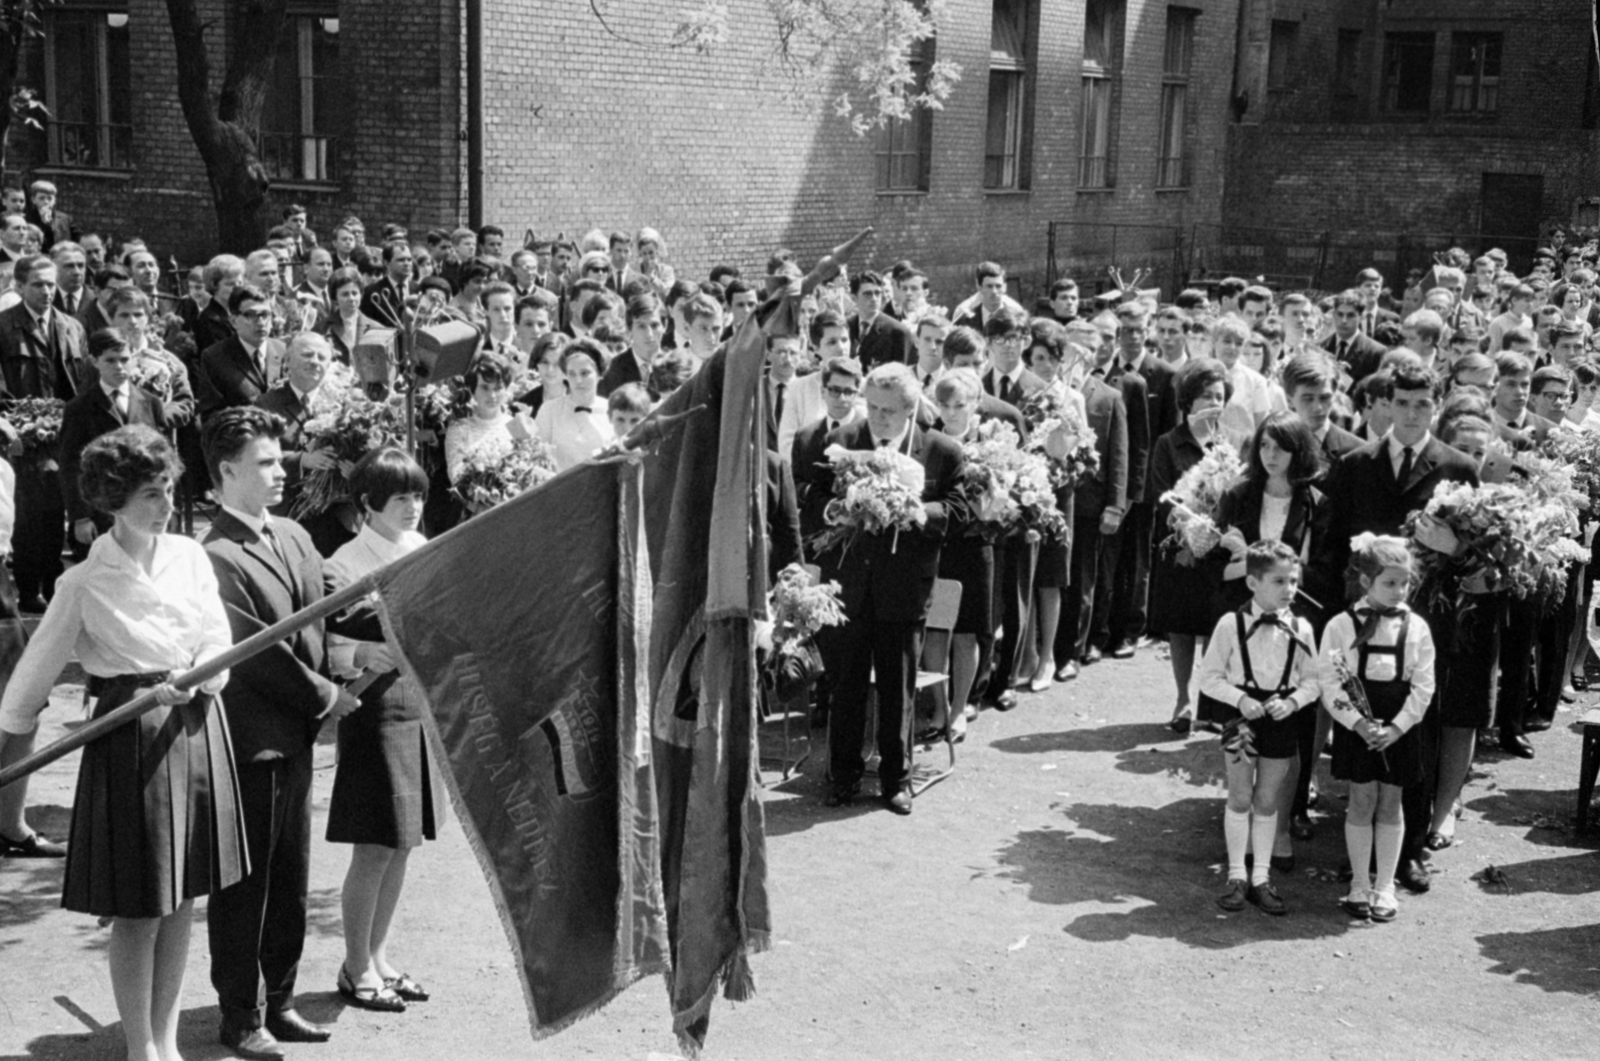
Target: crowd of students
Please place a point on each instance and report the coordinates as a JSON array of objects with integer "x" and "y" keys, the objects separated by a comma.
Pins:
[{"x": 1347, "y": 411}]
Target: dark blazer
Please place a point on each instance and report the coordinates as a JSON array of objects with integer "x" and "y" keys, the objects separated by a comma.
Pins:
[
  {"x": 282, "y": 400},
  {"x": 212, "y": 326},
  {"x": 1108, "y": 417},
  {"x": 1361, "y": 360},
  {"x": 806, "y": 464},
  {"x": 1029, "y": 383},
  {"x": 26, "y": 368},
  {"x": 229, "y": 376},
  {"x": 59, "y": 229},
  {"x": 87, "y": 417},
  {"x": 1136, "y": 400},
  {"x": 85, "y": 296},
  {"x": 1335, "y": 444},
  {"x": 886, "y": 340},
  {"x": 1534, "y": 431},
  {"x": 624, "y": 369},
  {"x": 1309, "y": 518},
  {"x": 305, "y": 294},
  {"x": 385, "y": 303},
  {"x": 335, "y": 336},
  {"x": 1364, "y": 496},
  {"x": 893, "y": 575},
  {"x": 91, "y": 316},
  {"x": 1161, "y": 390},
  {"x": 783, "y": 518},
  {"x": 274, "y": 698}
]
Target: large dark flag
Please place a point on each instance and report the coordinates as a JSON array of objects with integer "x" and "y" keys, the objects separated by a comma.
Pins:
[{"x": 526, "y": 629}]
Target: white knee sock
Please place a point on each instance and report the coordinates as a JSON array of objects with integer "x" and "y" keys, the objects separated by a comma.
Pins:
[
  {"x": 1387, "y": 838},
  {"x": 1263, "y": 827},
  {"x": 1358, "y": 842},
  {"x": 1236, "y": 830}
]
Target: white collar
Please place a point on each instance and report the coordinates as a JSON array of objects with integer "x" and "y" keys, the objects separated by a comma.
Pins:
[
  {"x": 384, "y": 549},
  {"x": 1415, "y": 447},
  {"x": 112, "y": 392},
  {"x": 1015, "y": 375}
]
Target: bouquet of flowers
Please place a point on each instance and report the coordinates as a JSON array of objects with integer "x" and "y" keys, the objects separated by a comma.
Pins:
[
  {"x": 1579, "y": 453},
  {"x": 799, "y": 608},
  {"x": 1353, "y": 695},
  {"x": 153, "y": 373},
  {"x": 439, "y": 405},
  {"x": 1060, "y": 435},
  {"x": 1509, "y": 538},
  {"x": 875, "y": 492},
  {"x": 1196, "y": 496},
  {"x": 1009, "y": 488},
  {"x": 37, "y": 422},
  {"x": 349, "y": 428},
  {"x": 493, "y": 474}
]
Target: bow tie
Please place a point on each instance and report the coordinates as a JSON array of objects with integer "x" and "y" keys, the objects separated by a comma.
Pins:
[
  {"x": 1366, "y": 610},
  {"x": 582, "y": 409},
  {"x": 1270, "y": 619}
]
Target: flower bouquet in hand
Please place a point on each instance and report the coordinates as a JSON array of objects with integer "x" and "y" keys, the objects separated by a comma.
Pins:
[
  {"x": 1196, "y": 497},
  {"x": 494, "y": 474},
  {"x": 37, "y": 422},
  {"x": 348, "y": 428},
  {"x": 439, "y": 405},
  {"x": 1352, "y": 695},
  {"x": 1007, "y": 488},
  {"x": 1579, "y": 453},
  {"x": 1058, "y": 433},
  {"x": 875, "y": 491},
  {"x": 153, "y": 372},
  {"x": 799, "y": 608}
]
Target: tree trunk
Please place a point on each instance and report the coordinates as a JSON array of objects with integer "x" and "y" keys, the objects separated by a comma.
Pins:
[
  {"x": 226, "y": 132},
  {"x": 11, "y": 38}
]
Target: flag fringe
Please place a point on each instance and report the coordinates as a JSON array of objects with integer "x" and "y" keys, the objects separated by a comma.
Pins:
[{"x": 739, "y": 985}]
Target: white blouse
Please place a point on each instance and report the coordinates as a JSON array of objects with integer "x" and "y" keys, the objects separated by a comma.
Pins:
[
  {"x": 573, "y": 436},
  {"x": 471, "y": 435},
  {"x": 120, "y": 620},
  {"x": 1274, "y": 517},
  {"x": 362, "y": 555}
]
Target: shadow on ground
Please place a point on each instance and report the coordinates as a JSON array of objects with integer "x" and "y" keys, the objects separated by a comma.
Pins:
[
  {"x": 1196, "y": 762},
  {"x": 1555, "y": 959},
  {"x": 197, "y": 1032}
]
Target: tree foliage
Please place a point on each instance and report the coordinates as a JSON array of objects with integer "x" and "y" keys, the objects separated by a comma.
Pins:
[
  {"x": 873, "y": 45},
  {"x": 19, "y": 24}
]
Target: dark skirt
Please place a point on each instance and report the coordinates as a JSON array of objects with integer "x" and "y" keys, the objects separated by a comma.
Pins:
[
  {"x": 1400, "y": 763},
  {"x": 970, "y": 561},
  {"x": 1186, "y": 600},
  {"x": 156, "y": 820},
  {"x": 1054, "y": 569},
  {"x": 383, "y": 790},
  {"x": 1467, "y": 657}
]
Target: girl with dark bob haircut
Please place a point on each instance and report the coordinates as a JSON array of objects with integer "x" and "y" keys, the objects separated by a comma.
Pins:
[
  {"x": 117, "y": 464},
  {"x": 156, "y": 819},
  {"x": 1195, "y": 377},
  {"x": 382, "y": 474},
  {"x": 488, "y": 367}
]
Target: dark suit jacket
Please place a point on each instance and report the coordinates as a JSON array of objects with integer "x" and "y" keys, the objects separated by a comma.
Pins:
[
  {"x": 1161, "y": 390},
  {"x": 1136, "y": 401},
  {"x": 305, "y": 294},
  {"x": 273, "y": 698},
  {"x": 1534, "y": 431},
  {"x": 26, "y": 368},
  {"x": 1335, "y": 444},
  {"x": 341, "y": 349},
  {"x": 624, "y": 369},
  {"x": 384, "y": 303},
  {"x": 1362, "y": 358},
  {"x": 885, "y": 340},
  {"x": 91, "y": 316},
  {"x": 783, "y": 518},
  {"x": 1364, "y": 496},
  {"x": 212, "y": 326},
  {"x": 229, "y": 376},
  {"x": 1108, "y": 417},
  {"x": 806, "y": 464},
  {"x": 282, "y": 400},
  {"x": 87, "y": 417},
  {"x": 1028, "y": 382},
  {"x": 891, "y": 576},
  {"x": 85, "y": 296},
  {"x": 59, "y": 229},
  {"x": 1309, "y": 517}
]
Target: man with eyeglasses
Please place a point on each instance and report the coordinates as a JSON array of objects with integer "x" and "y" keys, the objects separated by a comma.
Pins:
[
  {"x": 385, "y": 300},
  {"x": 839, "y": 384},
  {"x": 243, "y": 367}
]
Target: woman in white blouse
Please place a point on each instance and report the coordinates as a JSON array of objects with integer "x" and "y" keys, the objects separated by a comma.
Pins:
[
  {"x": 385, "y": 800},
  {"x": 490, "y": 430},
  {"x": 574, "y": 425},
  {"x": 156, "y": 819}
]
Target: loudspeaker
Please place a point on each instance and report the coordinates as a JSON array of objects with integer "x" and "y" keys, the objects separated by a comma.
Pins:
[
  {"x": 444, "y": 350},
  {"x": 373, "y": 355}
]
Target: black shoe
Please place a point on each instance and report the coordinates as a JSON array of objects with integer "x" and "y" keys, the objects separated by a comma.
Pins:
[
  {"x": 378, "y": 999},
  {"x": 1266, "y": 897},
  {"x": 31, "y": 605},
  {"x": 1301, "y": 828},
  {"x": 839, "y": 796},
  {"x": 287, "y": 1026},
  {"x": 1282, "y": 863},
  {"x": 1234, "y": 898},
  {"x": 899, "y": 800},
  {"x": 1005, "y": 701},
  {"x": 1536, "y": 725},
  {"x": 1092, "y": 656},
  {"x": 1121, "y": 650},
  {"x": 407, "y": 988},
  {"x": 253, "y": 1044},
  {"x": 1515, "y": 744},
  {"x": 35, "y": 846},
  {"x": 1413, "y": 876},
  {"x": 1181, "y": 725}
]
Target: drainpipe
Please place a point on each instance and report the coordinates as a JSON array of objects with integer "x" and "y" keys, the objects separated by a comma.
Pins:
[{"x": 474, "y": 113}]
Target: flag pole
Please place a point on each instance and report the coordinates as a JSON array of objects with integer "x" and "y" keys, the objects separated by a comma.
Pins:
[{"x": 146, "y": 701}]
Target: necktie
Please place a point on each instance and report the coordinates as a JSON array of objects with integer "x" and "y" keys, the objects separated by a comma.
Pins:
[
  {"x": 927, "y": 380},
  {"x": 1003, "y": 389},
  {"x": 833, "y": 425},
  {"x": 271, "y": 538},
  {"x": 1343, "y": 353},
  {"x": 777, "y": 405},
  {"x": 120, "y": 400},
  {"x": 1406, "y": 461}
]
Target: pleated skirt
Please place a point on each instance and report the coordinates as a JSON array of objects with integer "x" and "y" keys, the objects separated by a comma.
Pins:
[
  {"x": 157, "y": 818},
  {"x": 387, "y": 790}
]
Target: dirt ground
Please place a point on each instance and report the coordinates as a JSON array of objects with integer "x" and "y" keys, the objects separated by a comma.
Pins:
[{"x": 1052, "y": 900}]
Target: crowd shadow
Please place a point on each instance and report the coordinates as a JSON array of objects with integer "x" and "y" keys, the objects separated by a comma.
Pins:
[
  {"x": 1544, "y": 815},
  {"x": 1161, "y": 866},
  {"x": 1194, "y": 762},
  {"x": 1557, "y": 960},
  {"x": 197, "y": 1032},
  {"x": 1577, "y": 874},
  {"x": 1118, "y": 738}
]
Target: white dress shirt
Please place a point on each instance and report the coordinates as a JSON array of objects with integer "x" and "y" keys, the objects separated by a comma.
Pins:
[
  {"x": 116, "y": 619},
  {"x": 1338, "y": 638},
  {"x": 803, "y": 404},
  {"x": 1222, "y": 668},
  {"x": 1397, "y": 452},
  {"x": 573, "y": 436},
  {"x": 365, "y": 553}
]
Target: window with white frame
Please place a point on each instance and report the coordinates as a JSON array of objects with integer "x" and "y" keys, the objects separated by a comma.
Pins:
[{"x": 88, "y": 87}]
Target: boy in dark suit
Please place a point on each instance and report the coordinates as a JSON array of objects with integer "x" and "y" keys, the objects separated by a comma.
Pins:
[
  {"x": 876, "y": 337},
  {"x": 242, "y": 367},
  {"x": 887, "y": 582},
  {"x": 266, "y": 571}
]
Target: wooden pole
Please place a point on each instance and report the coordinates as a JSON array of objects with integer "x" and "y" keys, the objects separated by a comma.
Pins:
[{"x": 146, "y": 701}]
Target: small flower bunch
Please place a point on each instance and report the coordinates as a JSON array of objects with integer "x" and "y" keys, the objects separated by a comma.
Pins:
[
  {"x": 37, "y": 422},
  {"x": 438, "y": 405},
  {"x": 1353, "y": 695},
  {"x": 1579, "y": 453},
  {"x": 799, "y": 608},
  {"x": 494, "y": 473},
  {"x": 349, "y": 428},
  {"x": 1058, "y": 432},
  {"x": 875, "y": 492},
  {"x": 1009, "y": 488},
  {"x": 153, "y": 373},
  {"x": 1196, "y": 497}
]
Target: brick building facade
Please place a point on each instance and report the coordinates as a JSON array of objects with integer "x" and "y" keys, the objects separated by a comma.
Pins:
[
  {"x": 1098, "y": 114},
  {"x": 1395, "y": 126}
]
